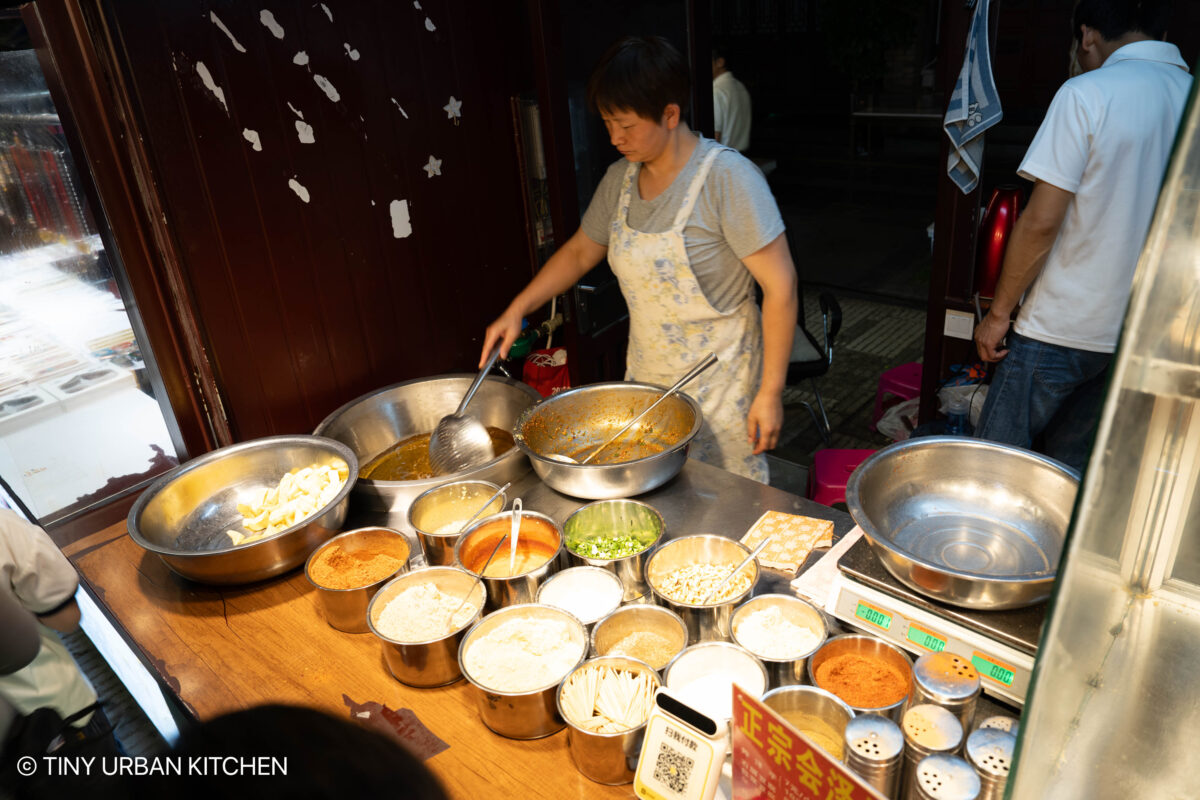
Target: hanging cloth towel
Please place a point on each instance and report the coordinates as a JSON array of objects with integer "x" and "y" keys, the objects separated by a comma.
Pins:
[{"x": 974, "y": 105}]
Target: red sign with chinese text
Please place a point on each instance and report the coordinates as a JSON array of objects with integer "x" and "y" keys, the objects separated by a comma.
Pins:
[{"x": 774, "y": 761}]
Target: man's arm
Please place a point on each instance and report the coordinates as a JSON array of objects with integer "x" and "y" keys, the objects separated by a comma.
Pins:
[
  {"x": 1033, "y": 235},
  {"x": 772, "y": 267}
]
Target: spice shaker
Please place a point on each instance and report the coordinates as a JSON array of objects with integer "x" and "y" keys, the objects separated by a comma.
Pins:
[
  {"x": 949, "y": 681},
  {"x": 943, "y": 777},
  {"x": 1001, "y": 722},
  {"x": 990, "y": 752},
  {"x": 875, "y": 752},
  {"x": 928, "y": 730}
]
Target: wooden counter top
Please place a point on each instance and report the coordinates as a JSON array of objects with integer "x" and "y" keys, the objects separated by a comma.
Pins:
[{"x": 221, "y": 649}]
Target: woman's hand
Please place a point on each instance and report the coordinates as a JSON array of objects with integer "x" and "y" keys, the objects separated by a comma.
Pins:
[
  {"x": 764, "y": 421},
  {"x": 504, "y": 331}
]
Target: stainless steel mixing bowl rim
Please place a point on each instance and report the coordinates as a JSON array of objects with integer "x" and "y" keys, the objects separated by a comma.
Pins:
[
  {"x": 628, "y": 608},
  {"x": 308, "y": 562},
  {"x": 152, "y": 491},
  {"x": 525, "y": 416},
  {"x": 714, "y": 645},
  {"x": 436, "y": 480},
  {"x": 879, "y": 539},
  {"x": 511, "y": 611},
  {"x": 772, "y": 597},
  {"x": 741, "y": 596},
  {"x": 414, "y": 575},
  {"x": 499, "y": 515},
  {"x": 662, "y": 529}
]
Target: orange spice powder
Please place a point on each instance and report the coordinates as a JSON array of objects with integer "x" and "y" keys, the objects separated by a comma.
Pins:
[
  {"x": 338, "y": 568},
  {"x": 862, "y": 681}
]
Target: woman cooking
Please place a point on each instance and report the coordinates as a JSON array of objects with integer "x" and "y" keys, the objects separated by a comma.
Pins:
[{"x": 688, "y": 227}]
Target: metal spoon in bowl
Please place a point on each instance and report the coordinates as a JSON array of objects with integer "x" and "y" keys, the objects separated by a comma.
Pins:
[
  {"x": 513, "y": 535},
  {"x": 699, "y": 367},
  {"x": 484, "y": 507},
  {"x": 720, "y": 587},
  {"x": 461, "y": 441}
]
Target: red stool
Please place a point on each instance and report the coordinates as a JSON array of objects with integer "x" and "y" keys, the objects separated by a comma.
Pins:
[
  {"x": 903, "y": 381},
  {"x": 830, "y": 471}
]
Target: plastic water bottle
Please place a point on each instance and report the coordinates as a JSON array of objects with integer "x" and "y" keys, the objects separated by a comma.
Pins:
[{"x": 956, "y": 416}]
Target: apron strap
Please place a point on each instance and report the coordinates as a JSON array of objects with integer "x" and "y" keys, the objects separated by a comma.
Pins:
[{"x": 693, "y": 190}]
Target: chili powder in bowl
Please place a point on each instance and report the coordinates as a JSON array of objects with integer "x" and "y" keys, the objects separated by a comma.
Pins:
[
  {"x": 872, "y": 676},
  {"x": 350, "y": 568}
]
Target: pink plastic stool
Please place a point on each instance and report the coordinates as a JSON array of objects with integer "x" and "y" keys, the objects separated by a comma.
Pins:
[
  {"x": 903, "y": 381},
  {"x": 830, "y": 471}
]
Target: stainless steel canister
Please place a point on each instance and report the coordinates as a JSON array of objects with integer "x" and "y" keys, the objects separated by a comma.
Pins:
[
  {"x": 949, "y": 681},
  {"x": 875, "y": 751},
  {"x": 928, "y": 730},
  {"x": 945, "y": 777},
  {"x": 990, "y": 752}
]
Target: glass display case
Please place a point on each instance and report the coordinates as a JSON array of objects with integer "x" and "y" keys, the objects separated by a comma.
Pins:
[
  {"x": 78, "y": 419},
  {"x": 1114, "y": 705}
]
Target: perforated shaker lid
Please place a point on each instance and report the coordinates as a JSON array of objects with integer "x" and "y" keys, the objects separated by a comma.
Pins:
[
  {"x": 1002, "y": 722},
  {"x": 946, "y": 677},
  {"x": 990, "y": 751},
  {"x": 932, "y": 727},
  {"x": 943, "y": 777},
  {"x": 872, "y": 738}
]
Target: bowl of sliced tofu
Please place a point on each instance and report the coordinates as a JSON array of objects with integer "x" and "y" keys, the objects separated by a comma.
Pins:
[{"x": 249, "y": 511}]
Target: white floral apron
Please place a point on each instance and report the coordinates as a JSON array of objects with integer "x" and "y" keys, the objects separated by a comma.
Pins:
[{"x": 672, "y": 325}]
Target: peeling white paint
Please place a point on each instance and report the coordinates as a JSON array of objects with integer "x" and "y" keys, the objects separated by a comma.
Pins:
[
  {"x": 453, "y": 109},
  {"x": 252, "y": 137},
  {"x": 305, "y": 132},
  {"x": 417, "y": 4},
  {"x": 268, "y": 19},
  {"x": 401, "y": 225},
  {"x": 434, "y": 167},
  {"x": 217, "y": 21},
  {"x": 207, "y": 79},
  {"x": 295, "y": 110},
  {"x": 328, "y": 13},
  {"x": 429, "y": 26},
  {"x": 350, "y": 51},
  {"x": 328, "y": 88},
  {"x": 300, "y": 59},
  {"x": 298, "y": 188},
  {"x": 372, "y": 204},
  {"x": 402, "y": 111}
]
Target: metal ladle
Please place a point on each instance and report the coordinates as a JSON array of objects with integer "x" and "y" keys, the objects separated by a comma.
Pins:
[
  {"x": 699, "y": 367},
  {"x": 720, "y": 587},
  {"x": 461, "y": 441}
]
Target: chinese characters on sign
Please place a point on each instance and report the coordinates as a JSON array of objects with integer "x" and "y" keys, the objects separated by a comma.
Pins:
[{"x": 774, "y": 761}]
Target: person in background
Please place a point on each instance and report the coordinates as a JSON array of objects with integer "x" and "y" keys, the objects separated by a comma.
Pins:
[
  {"x": 731, "y": 105},
  {"x": 688, "y": 227},
  {"x": 1097, "y": 161}
]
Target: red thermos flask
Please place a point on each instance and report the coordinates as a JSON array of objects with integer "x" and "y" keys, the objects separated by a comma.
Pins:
[{"x": 998, "y": 220}]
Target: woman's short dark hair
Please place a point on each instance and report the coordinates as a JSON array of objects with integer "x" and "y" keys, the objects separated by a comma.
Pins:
[
  {"x": 642, "y": 74},
  {"x": 1115, "y": 18}
]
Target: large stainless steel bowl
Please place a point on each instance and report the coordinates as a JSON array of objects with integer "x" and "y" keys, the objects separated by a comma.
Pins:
[
  {"x": 576, "y": 421},
  {"x": 965, "y": 521},
  {"x": 184, "y": 514},
  {"x": 374, "y": 422}
]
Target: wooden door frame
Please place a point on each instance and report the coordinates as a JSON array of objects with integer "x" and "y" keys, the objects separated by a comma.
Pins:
[{"x": 81, "y": 62}]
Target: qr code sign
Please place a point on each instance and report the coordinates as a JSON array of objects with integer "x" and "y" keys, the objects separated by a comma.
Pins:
[{"x": 673, "y": 768}]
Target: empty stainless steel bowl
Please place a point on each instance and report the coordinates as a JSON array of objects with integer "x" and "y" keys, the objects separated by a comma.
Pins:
[
  {"x": 429, "y": 661},
  {"x": 438, "y": 515},
  {"x": 576, "y": 421},
  {"x": 526, "y": 713},
  {"x": 345, "y": 607},
  {"x": 182, "y": 517},
  {"x": 705, "y": 622},
  {"x": 785, "y": 665},
  {"x": 965, "y": 521},
  {"x": 606, "y": 518}
]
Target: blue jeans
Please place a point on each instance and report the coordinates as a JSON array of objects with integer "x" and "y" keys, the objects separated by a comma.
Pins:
[{"x": 1046, "y": 390}]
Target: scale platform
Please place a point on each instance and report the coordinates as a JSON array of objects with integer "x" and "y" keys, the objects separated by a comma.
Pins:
[{"x": 1001, "y": 644}]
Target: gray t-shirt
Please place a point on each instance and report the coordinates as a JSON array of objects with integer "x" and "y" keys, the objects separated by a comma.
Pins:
[{"x": 735, "y": 216}]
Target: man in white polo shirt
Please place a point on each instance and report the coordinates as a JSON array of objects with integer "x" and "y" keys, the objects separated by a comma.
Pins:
[
  {"x": 1097, "y": 162},
  {"x": 731, "y": 105}
]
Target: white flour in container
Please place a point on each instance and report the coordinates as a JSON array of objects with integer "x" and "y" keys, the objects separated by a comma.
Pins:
[
  {"x": 421, "y": 613},
  {"x": 769, "y": 634},
  {"x": 587, "y": 593},
  {"x": 524, "y": 654}
]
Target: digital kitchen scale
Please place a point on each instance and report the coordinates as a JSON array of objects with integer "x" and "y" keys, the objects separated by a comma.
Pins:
[{"x": 1001, "y": 644}]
